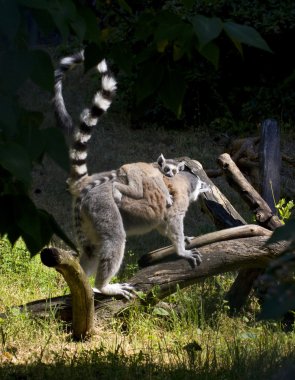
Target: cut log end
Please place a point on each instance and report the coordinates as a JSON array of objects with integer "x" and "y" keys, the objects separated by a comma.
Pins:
[{"x": 50, "y": 257}]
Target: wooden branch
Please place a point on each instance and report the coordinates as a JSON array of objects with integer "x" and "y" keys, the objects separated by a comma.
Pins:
[
  {"x": 164, "y": 278},
  {"x": 66, "y": 263},
  {"x": 260, "y": 208},
  {"x": 215, "y": 203},
  {"x": 213, "y": 237}
]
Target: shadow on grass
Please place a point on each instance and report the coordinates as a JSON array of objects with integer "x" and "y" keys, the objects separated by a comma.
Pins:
[{"x": 113, "y": 366}]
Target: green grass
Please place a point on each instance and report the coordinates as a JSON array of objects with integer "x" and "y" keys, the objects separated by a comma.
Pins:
[{"x": 191, "y": 336}]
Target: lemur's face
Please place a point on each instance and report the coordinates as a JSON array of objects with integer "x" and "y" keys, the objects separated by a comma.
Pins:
[
  {"x": 170, "y": 170},
  {"x": 169, "y": 167}
]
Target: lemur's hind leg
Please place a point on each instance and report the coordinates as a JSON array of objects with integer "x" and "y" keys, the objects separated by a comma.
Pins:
[
  {"x": 109, "y": 259},
  {"x": 133, "y": 188}
]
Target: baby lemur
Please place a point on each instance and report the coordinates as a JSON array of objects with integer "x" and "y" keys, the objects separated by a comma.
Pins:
[{"x": 108, "y": 206}]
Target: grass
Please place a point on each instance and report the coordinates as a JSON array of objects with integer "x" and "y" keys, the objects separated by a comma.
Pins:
[{"x": 192, "y": 337}]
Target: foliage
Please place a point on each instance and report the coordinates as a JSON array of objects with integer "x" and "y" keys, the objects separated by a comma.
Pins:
[
  {"x": 284, "y": 208},
  {"x": 23, "y": 143},
  {"x": 166, "y": 49}
]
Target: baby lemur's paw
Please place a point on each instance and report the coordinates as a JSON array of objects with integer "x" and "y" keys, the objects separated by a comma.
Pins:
[
  {"x": 117, "y": 194},
  {"x": 169, "y": 200}
]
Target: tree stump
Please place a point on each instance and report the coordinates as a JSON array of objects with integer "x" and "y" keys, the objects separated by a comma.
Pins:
[{"x": 82, "y": 299}]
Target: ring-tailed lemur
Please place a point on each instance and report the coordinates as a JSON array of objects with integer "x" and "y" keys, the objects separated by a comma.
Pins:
[{"x": 102, "y": 223}]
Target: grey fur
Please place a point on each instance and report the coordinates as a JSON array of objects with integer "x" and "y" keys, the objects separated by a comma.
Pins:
[{"x": 103, "y": 219}]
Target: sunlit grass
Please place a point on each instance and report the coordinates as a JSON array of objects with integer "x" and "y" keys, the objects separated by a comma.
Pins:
[{"x": 189, "y": 336}]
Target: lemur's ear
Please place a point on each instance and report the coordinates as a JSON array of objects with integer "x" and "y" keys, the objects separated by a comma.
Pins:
[
  {"x": 161, "y": 159},
  {"x": 181, "y": 166}
]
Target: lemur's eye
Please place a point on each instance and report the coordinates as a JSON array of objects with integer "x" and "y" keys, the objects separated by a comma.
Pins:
[
  {"x": 166, "y": 169},
  {"x": 174, "y": 171}
]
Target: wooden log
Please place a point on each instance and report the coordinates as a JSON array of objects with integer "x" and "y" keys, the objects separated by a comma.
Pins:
[
  {"x": 270, "y": 163},
  {"x": 82, "y": 302},
  {"x": 247, "y": 230},
  {"x": 165, "y": 277},
  {"x": 263, "y": 214},
  {"x": 215, "y": 203}
]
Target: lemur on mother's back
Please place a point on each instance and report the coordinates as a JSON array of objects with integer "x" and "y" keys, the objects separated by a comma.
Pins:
[{"x": 132, "y": 200}]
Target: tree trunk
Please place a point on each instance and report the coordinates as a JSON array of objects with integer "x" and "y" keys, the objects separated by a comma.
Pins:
[{"x": 270, "y": 163}]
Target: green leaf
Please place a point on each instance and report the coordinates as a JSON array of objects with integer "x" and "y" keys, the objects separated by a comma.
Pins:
[
  {"x": 211, "y": 52},
  {"x": 56, "y": 147},
  {"x": 27, "y": 219},
  {"x": 93, "y": 55},
  {"x": 161, "y": 312},
  {"x": 188, "y": 3},
  {"x": 42, "y": 70},
  {"x": 172, "y": 91},
  {"x": 56, "y": 229},
  {"x": 91, "y": 25},
  {"x": 35, "y": 4},
  {"x": 15, "y": 159},
  {"x": 206, "y": 28},
  {"x": 15, "y": 67},
  {"x": 30, "y": 136},
  {"x": 246, "y": 35},
  {"x": 124, "y": 5},
  {"x": 9, "y": 18},
  {"x": 63, "y": 13},
  {"x": 7, "y": 222},
  {"x": 149, "y": 80},
  {"x": 9, "y": 112}
]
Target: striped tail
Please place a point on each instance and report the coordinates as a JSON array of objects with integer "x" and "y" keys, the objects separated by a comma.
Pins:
[
  {"x": 66, "y": 64},
  {"x": 88, "y": 119}
]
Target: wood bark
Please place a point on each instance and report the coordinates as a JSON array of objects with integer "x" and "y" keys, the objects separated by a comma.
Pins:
[
  {"x": 164, "y": 278},
  {"x": 270, "y": 162},
  {"x": 257, "y": 204},
  {"x": 214, "y": 203},
  {"x": 248, "y": 230},
  {"x": 82, "y": 299}
]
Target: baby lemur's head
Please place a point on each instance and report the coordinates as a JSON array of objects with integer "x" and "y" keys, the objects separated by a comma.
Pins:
[{"x": 169, "y": 167}]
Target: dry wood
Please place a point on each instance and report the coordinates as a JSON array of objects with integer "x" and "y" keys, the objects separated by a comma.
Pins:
[
  {"x": 164, "y": 278},
  {"x": 248, "y": 230},
  {"x": 242, "y": 286},
  {"x": 215, "y": 204},
  {"x": 260, "y": 208},
  {"x": 67, "y": 264}
]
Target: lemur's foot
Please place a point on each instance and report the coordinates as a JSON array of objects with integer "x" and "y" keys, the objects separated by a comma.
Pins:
[
  {"x": 193, "y": 256},
  {"x": 125, "y": 290}
]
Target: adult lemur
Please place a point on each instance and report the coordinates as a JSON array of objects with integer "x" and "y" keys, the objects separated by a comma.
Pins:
[{"x": 131, "y": 200}]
